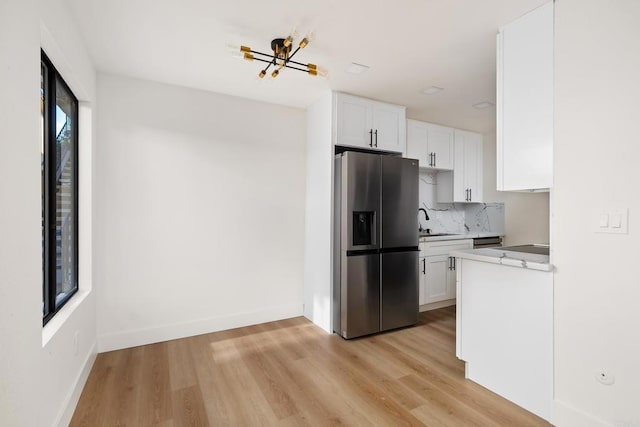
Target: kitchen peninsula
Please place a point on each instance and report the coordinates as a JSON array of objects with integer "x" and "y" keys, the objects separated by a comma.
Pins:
[{"x": 504, "y": 323}]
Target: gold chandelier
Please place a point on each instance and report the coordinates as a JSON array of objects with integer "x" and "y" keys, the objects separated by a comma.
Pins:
[{"x": 281, "y": 57}]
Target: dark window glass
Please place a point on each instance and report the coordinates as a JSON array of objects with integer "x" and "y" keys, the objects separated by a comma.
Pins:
[{"x": 59, "y": 190}]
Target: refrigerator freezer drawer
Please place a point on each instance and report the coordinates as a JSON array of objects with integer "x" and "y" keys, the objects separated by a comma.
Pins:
[{"x": 399, "y": 289}]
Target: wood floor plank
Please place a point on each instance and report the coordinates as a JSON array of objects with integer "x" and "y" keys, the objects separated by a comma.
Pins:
[
  {"x": 213, "y": 387},
  {"x": 291, "y": 373},
  {"x": 96, "y": 402},
  {"x": 126, "y": 392},
  {"x": 267, "y": 375},
  {"x": 182, "y": 371},
  {"x": 188, "y": 408},
  {"x": 443, "y": 408},
  {"x": 155, "y": 398}
]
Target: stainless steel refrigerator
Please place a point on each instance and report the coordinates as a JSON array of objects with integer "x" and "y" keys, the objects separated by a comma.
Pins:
[{"x": 375, "y": 256}]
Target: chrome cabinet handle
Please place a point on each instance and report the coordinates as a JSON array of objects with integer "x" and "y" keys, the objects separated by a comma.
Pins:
[
  {"x": 470, "y": 195},
  {"x": 376, "y": 133},
  {"x": 454, "y": 263},
  {"x": 424, "y": 266},
  {"x": 370, "y": 137},
  {"x": 435, "y": 159}
]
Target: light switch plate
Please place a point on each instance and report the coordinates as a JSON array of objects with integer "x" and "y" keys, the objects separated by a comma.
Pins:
[{"x": 615, "y": 221}]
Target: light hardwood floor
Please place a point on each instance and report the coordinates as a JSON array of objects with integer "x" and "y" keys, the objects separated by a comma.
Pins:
[{"x": 290, "y": 373}]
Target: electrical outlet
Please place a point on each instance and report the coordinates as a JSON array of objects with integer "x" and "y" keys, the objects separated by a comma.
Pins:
[{"x": 605, "y": 378}]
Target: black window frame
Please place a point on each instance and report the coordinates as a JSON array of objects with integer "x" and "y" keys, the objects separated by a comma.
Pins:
[{"x": 51, "y": 79}]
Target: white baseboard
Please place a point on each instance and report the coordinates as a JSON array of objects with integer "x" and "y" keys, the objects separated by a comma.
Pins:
[
  {"x": 72, "y": 400},
  {"x": 437, "y": 305},
  {"x": 126, "y": 339},
  {"x": 565, "y": 415}
]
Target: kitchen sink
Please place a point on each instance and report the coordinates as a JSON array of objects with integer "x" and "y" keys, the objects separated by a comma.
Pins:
[{"x": 436, "y": 234}]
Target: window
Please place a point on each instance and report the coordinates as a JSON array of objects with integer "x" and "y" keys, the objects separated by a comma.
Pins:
[{"x": 59, "y": 162}]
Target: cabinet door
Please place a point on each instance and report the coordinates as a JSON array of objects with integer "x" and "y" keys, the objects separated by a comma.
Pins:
[
  {"x": 417, "y": 142},
  {"x": 525, "y": 102},
  {"x": 473, "y": 166},
  {"x": 422, "y": 272},
  {"x": 467, "y": 174},
  {"x": 353, "y": 121},
  {"x": 440, "y": 144},
  {"x": 437, "y": 268},
  {"x": 451, "y": 279},
  {"x": 388, "y": 123}
]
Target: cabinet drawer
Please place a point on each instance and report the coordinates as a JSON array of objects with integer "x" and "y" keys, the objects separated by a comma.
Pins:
[{"x": 444, "y": 247}]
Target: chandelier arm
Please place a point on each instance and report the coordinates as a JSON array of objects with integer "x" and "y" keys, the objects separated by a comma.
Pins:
[
  {"x": 294, "y": 52},
  {"x": 262, "y": 60},
  {"x": 298, "y": 63},
  {"x": 262, "y": 53},
  {"x": 296, "y": 68}
]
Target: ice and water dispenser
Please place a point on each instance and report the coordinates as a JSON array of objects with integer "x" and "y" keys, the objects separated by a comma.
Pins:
[{"x": 364, "y": 228}]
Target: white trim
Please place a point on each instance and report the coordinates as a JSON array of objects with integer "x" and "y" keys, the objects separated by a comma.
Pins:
[
  {"x": 437, "y": 305},
  {"x": 565, "y": 415},
  {"x": 57, "y": 322},
  {"x": 126, "y": 339},
  {"x": 62, "y": 63},
  {"x": 70, "y": 403}
]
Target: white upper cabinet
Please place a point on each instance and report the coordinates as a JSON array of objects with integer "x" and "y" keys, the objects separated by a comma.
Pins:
[
  {"x": 464, "y": 184},
  {"x": 525, "y": 102},
  {"x": 365, "y": 123},
  {"x": 431, "y": 144}
]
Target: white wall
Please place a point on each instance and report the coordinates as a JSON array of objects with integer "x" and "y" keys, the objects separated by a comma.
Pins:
[
  {"x": 318, "y": 210},
  {"x": 526, "y": 215},
  {"x": 200, "y": 212},
  {"x": 42, "y": 370},
  {"x": 597, "y": 290},
  {"x": 20, "y": 235}
]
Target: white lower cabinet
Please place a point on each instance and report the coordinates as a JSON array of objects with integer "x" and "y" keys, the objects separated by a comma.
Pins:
[
  {"x": 437, "y": 270},
  {"x": 438, "y": 279}
]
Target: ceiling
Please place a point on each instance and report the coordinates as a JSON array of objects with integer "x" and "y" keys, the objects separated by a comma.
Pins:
[{"x": 409, "y": 45}]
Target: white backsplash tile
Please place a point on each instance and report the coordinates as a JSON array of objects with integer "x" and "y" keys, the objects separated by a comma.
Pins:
[{"x": 457, "y": 217}]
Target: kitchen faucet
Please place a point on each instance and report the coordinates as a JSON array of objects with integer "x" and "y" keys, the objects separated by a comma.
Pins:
[{"x": 426, "y": 216}]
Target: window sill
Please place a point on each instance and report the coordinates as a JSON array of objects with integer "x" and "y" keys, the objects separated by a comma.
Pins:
[{"x": 55, "y": 324}]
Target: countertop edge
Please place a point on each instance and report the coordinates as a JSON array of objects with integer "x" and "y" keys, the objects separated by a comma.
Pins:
[
  {"x": 521, "y": 261},
  {"x": 476, "y": 235}
]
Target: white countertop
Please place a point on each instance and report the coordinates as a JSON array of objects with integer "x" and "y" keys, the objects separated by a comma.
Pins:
[
  {"x": 505, "y": 257},
  {"x": 471, "y": 235}
]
